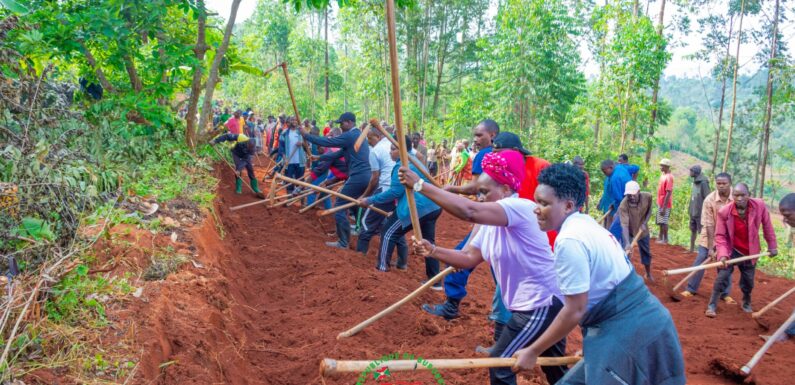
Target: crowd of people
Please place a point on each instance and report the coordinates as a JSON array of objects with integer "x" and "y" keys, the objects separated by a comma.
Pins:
[{"x": 554, "y": 266}]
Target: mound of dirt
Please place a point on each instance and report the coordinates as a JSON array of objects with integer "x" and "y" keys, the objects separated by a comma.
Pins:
[{"x": 269, "y": 300}]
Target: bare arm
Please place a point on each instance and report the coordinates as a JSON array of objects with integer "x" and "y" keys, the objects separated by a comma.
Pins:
[
  {"x": 471, "y": 188},
  {"x": 484, "y": 213},
  {"x": 574, "y": 308},
  {"x": 467, "y": 258},
  {"x": 373, "y": 183}
]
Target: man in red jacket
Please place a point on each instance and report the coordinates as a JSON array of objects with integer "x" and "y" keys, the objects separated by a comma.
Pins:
[{"x": 737, "y": 235}]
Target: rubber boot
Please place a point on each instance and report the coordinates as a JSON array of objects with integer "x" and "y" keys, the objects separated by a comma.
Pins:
[
  {"x": 238, "y": 186},
  {"x": 255, "y": 185},
  {"x": 448, "y": 310}
]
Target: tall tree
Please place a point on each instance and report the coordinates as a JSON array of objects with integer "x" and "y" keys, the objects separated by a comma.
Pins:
[
  {"x": 195, "y": 87},
  {"x": 734, "y": 88},
  {"x": 656, "y": 89},
  {"x": 769, "y": 106},
  {"x": 212, "y": 77}
]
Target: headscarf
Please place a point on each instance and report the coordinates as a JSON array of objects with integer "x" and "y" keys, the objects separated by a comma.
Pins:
[{"x": 505, "y": 167}]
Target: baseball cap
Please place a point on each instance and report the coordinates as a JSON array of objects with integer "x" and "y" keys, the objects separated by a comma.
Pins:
[
  {"x": 631, "y": 187},
  {"x": 509, "y": 141},
  {"x": 346, "y": 116},
  {"x": 665, "y": 162}
]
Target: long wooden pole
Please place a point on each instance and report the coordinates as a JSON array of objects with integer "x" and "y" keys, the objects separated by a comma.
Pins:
[
  {"x": 327, "y": 191},
  {"x": 330, "y": 367},
  {"x": 774, "y": 303},
  {"x": 361, "y": 138},
  {"x": 770, "y": 341},
  {"x": 714, "y": 264},
  {"x": 295, "y": 106},
  {"x": 394, "y": 69},
  {"x": 687, "y": 278},
  {"x": 335, "y": 209},
  {"x": 315, "y": 203},
  {"x": 413, "y": 160},
  {"x": 404, "y": 300}
]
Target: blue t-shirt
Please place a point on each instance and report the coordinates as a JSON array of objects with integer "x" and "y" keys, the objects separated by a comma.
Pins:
[{"x": 477, "y": 168}]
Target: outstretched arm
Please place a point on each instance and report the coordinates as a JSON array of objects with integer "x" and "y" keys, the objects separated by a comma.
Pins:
[{"x": 485, "y": 213}]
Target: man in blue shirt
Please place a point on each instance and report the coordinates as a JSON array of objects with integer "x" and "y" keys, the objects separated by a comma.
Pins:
[
  {"x": 455, "y": 283},
  {"x": 617, "y": 178},
  {"x": 358, "y": 170}
]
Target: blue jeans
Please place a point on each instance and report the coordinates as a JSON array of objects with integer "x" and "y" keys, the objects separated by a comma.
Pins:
[
  {"x": 455, "y": 287},
  {"x": 311, "y": 199},
  {"x": 354, "y": 189},
  {"x": 615, "y": 229},
  {"x": 695, "y": 280},
  {"x": 455, "y": 284}
]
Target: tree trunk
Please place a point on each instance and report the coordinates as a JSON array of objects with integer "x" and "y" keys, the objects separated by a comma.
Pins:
[
  {"x": 758, "y": 161},
  {"x": 103, "y": 81},
  {"x": 722, "y": 99},
  {"x": 325, "y": 24},
  {"x": 440, "y": 61},
  {"x": 196, "y": 83},
  {"x": 660, "y": 27},
  {"x": 424, "y": 79},
  {"x": 161, "y": 38},
  {"x": 212, "y": 77},
  {"x": 625, "y": 117},
  {"x": 734, "y": 88},
  {"x": 769, "y": 107}
]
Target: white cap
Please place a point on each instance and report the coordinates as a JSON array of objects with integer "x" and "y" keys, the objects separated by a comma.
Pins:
[{"x": 631, "y": 187}]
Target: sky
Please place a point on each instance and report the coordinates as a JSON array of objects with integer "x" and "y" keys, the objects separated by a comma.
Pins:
[{"x": 685, "y": 44}]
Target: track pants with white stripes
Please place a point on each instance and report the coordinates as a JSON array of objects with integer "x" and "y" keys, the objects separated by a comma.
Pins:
[
  {"x": 521, "y": 331},
  {"x": 392, "y": 231},
  {"x": 371, "y": 225}
]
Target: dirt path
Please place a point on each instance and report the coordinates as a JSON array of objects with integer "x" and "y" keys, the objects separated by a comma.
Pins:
[{"x": 270, "y": 299}]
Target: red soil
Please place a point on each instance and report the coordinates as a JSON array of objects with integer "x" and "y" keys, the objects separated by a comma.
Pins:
[{"x": 271, "y": 298}]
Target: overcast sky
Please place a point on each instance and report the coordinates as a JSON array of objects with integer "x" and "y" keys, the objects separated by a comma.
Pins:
[{"x": 679, "y": 65}]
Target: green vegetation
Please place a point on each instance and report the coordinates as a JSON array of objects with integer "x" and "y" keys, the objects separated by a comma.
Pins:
[{"x": 90, "y": 93}]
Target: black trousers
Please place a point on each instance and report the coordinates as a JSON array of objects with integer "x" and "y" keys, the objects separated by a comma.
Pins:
[
  {"x": 723, "y": 280},
  {"x": 521, "y": 331},
  {"x": 393, "y": 232}
]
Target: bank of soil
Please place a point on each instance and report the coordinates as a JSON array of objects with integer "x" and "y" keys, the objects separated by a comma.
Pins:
[{"x": 265, "y": 303}]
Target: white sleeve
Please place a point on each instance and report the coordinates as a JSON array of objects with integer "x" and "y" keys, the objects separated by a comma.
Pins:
[
  {"x": 571, "y": 267},
  {"x": 517, "y": 210},
  {"x": 374, "y": 166},
  {"x": 476, "y": 241}
]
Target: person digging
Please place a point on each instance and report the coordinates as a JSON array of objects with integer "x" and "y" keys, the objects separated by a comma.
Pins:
[
  {"x": 634, "y": 213},
  {"x": 512, "y": 243},
  {"x": 787, "y": 209},
  {"x": 242, "y": 150},
  {"x": 629, "y": 337},
  {"x": 737, "y": 235}
]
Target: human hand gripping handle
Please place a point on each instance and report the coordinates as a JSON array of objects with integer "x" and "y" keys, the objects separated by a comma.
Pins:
[
  {"x": 525, "y": 360},
  {"x": 407, "y": 177},
  {"x": 423, "y": 248}
]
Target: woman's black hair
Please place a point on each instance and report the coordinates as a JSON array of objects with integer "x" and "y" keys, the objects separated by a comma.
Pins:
[{"x": 566, "y": 180}]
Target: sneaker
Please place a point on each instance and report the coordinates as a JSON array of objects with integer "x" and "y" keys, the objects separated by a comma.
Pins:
[
  {"x": 711, "y": 312},
  {"x": 437, "y": 287},
  {"x": 335, "y": 245},
  {"x": 687, "y": 294},
  {"x": 747, "y": 307},
  {"x": 729, "y": 300},
  {"x": 402, "y": 268}
]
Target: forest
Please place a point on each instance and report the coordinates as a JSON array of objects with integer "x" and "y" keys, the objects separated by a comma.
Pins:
[{"x": 91, "y": 135}]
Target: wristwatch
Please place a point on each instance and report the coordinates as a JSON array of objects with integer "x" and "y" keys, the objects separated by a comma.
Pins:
[{"x": 418, "y": 186}]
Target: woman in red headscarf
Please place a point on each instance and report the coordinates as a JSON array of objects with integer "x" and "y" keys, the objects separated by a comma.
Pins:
[{"x": 511, "y": 241}]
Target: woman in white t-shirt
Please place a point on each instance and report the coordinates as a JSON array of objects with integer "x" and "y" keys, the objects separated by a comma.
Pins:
[
  {"x": 510, "y": 240},
  {"x": 628, "y": 336}
]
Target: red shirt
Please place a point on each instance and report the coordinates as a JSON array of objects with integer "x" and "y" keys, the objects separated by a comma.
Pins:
[
  {"x": 326, "y": 130},
  {"x": 527, "y": 190},
  {"x": 233, "y": 125},
  {"x": 665, "y": 184},
  {"x": 740, "y": 232}
]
